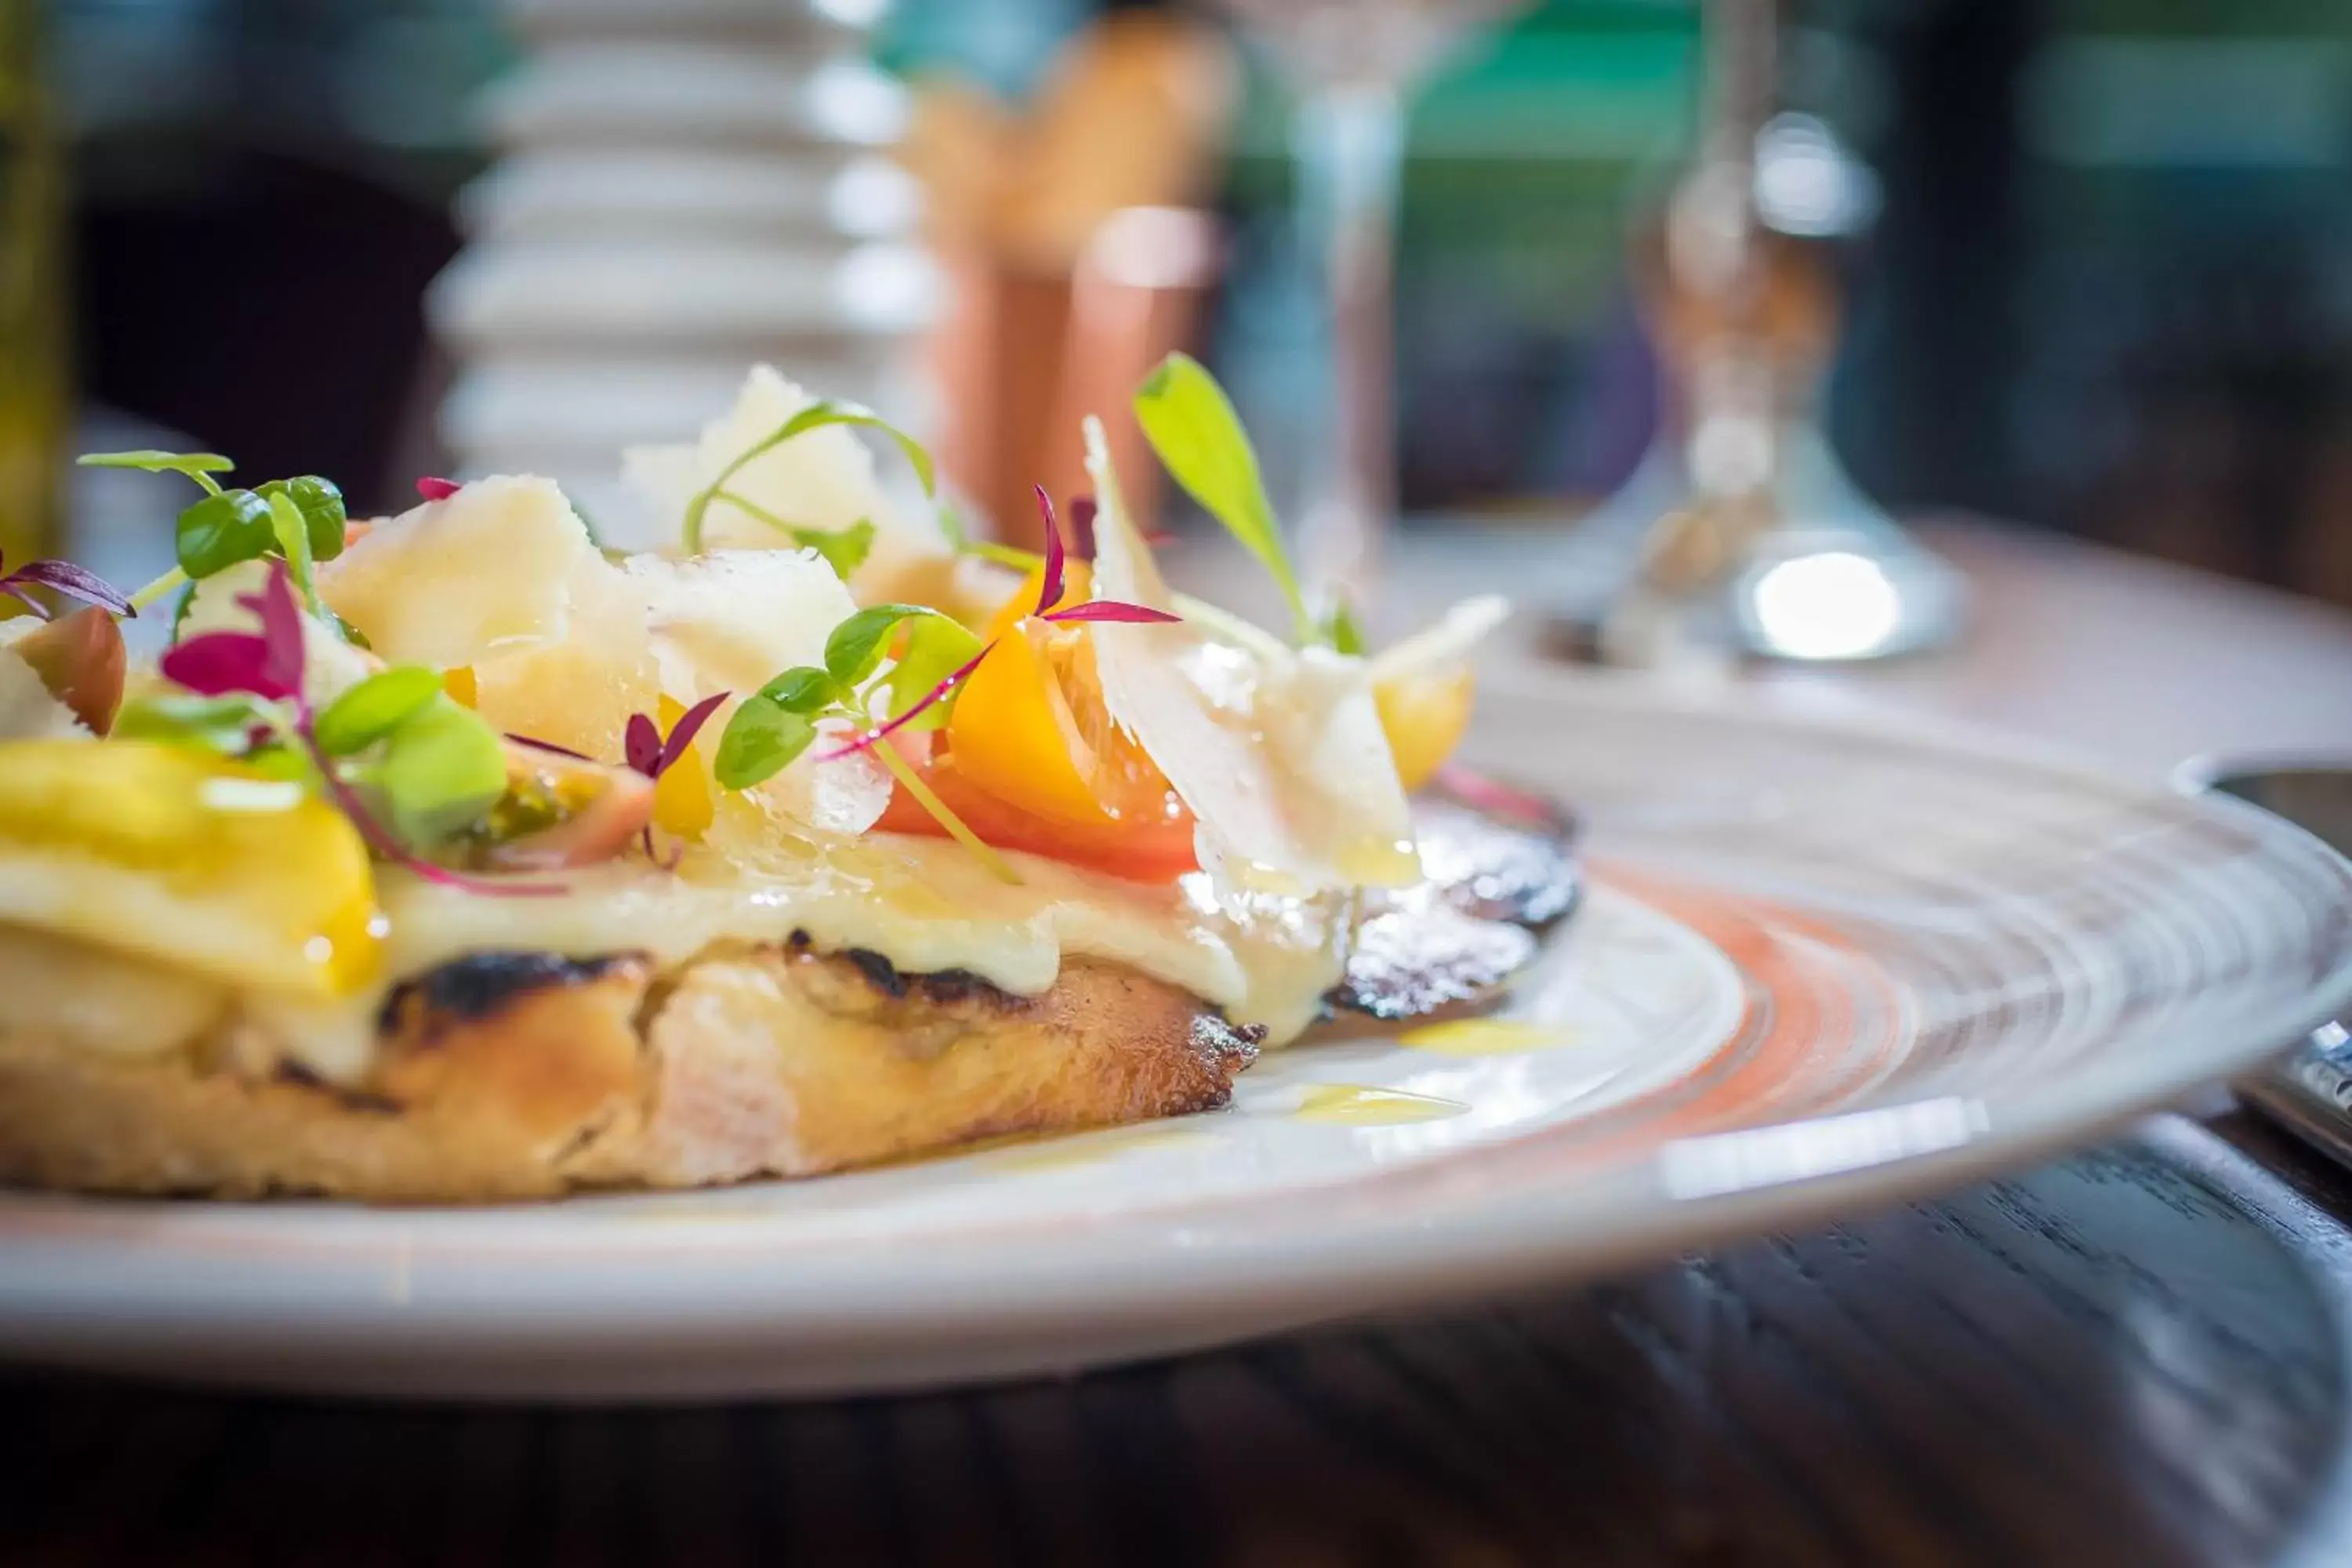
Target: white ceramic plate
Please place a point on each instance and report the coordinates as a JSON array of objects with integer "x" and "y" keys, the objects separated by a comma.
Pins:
[{"x": 1820, "y": 968}]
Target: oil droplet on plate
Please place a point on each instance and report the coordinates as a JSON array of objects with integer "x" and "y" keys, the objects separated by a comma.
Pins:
[
  {"x": 1362, "y": 1105},
  {"x": 1487, "y": 1038}
]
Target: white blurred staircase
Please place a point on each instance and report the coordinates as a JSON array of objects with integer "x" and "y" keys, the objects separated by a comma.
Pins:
[{"x": 684, "y": 187}]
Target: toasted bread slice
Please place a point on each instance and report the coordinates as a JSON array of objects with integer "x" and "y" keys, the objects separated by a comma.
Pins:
[{"x": 520, "y": 1075}]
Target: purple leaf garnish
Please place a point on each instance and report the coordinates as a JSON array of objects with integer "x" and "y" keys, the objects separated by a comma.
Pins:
[
  {"x": 281, "y": 630},
  {"x": 1082, "y": 527},
  {"x": 681, "y": 734},
  {"x": 641, "y": 745},
  {"x": 646, "y": 752},
  {"x": 1116, "y": 610},
  {"x": 434, "y": 488},
  {"x": 935, "y": 695},
  {"x": 218, "y": 663},
  {"x": 76, "y": 583},
  {"x": 1050, "y": 590}
]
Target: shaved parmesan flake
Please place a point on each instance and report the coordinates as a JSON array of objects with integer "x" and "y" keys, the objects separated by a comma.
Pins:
[
  {"x": 1279, "y": 755},
  {"x": 490, "y": 570},
  {"x": 1444, "y": 645}
]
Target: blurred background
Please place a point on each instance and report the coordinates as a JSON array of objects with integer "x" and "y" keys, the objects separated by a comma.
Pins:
[{"x": 2092, "y": 259}]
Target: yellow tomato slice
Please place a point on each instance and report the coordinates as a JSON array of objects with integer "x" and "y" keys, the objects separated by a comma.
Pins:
[
  {"x": 156, "y": 849},
  {"x": 1424, "y": 716},
  {"x": 1012, "y": 734},
  {"x": 682, "y": 804}
]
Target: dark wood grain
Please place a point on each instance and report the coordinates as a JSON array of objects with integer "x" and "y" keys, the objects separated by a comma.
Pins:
[{"x": 2132, "y": 1357}]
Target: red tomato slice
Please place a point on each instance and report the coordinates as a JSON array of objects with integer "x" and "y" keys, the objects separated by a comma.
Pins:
[{"x": 1159, "y": 851}]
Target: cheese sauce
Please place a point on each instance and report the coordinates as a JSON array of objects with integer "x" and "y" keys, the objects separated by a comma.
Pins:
[{"x": 925, "y": 904}]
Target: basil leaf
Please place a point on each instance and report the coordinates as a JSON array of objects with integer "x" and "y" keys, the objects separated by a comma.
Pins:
[
  {"x": 803, "y": 689},
  {"x": 936, "y": 648},
  {"x": 321, "y": 506},
  {"x": 856, "y": 645},
  {"x": 223, "y": 724},
  {"x": 292, "y": 530},
  {"x": 844, "y": 548},
  {"x": 1191, "y": 424},
  {"x": 374, "y": 709},
  {"x": 151, "y": 461},
  {"x": 220, "y": 531},
  {"x": 760, "y": 741},
  {"x": 442, "y": 768}
]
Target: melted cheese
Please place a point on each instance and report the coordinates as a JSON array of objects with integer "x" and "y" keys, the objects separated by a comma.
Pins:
[{"x": 925, "y": 904}]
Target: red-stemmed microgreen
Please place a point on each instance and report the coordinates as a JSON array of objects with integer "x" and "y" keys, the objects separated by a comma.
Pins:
[
  {"x": 432, "y": 487},
  {"x": 394, "y": 752},
  {"x": 1050, "y": 583},
  {"x": 64, "y": 577},
  {"x": 650, "y": 752},
  {"x": 299, "y": 521}
]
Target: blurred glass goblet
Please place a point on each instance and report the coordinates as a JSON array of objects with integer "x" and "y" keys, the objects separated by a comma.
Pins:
[
  {"x": 1740, "y": 533},
  {"x": 1353, "y": 64}
]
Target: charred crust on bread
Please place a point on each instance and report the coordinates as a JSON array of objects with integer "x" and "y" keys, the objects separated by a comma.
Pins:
[{"x": 480, "y": 985}]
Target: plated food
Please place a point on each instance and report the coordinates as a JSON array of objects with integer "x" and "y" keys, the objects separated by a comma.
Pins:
[{"x": 449, "y": 857}]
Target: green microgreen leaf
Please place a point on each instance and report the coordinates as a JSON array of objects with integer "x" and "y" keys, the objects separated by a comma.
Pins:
[
  {"x": 817, "y": 416},
  {"x": 180, "y": 611},
  {"x": 1191, "y": 426},
  {"x": 1341, "y": 631},
  {"x": 197, "y": 465},
  {"x": 844, "y": 548},
  {"x": 442, "y": 767},
  {"x": 856, "y": 645},
  {"x": 762, "y": 739},
  {"x": 223, "y": 724},
  {"x": 321, "y": 506},
  {"x": 293, "y": 533},
  {"x": 222, "y": 530},
  {"x": 936, "y": 648},
  {"x": 804, "y": 690},
  {"x": 374, "y": 708}
]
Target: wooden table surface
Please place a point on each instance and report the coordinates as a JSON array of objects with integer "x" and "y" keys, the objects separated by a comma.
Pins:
[{"x": 2135, "y": 1356}]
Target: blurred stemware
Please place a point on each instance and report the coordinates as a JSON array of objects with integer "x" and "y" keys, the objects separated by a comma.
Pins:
[
  {"x": 1739, "y": 532},
  {"x": 1353, "y": 64}
]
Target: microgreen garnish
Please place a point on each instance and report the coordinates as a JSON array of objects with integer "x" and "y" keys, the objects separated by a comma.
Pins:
[
  {"x": 817, "y": 416},
  {"x": 74, "y": 581},
  {"x": 1049, "y": 587},
  {"x": 771, "y": 728},
  {"x": 1191, "y": 426},
  {"x": 1342, "y": 632},
  {"x": 432, "y": 487},
  {"x": 299, "y": 521},
  {"x": 407, "y": 765},
  {"x": 961, "y": 542},
  {"x": 648, "y": 753}
]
